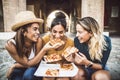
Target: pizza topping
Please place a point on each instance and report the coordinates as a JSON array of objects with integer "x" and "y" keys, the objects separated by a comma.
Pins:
[
  {"x": 66, "y": 66},
  {"x": 54, "y": 41},
  {"x": 52, "y": 72},
  {"x": 52, "y": 57},
  {"x": 69, "y": 50}
]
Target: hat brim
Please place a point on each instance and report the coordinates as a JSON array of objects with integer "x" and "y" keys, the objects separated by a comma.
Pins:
[{"x": 18, "y": 25}]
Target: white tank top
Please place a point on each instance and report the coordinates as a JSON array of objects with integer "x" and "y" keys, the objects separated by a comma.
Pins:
[{"x": 32, "y": 54}]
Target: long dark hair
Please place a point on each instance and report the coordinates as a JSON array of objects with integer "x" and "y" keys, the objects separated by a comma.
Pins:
[
  {"x": 20, "y": 40},
  {"x": 60, "y": 18}
]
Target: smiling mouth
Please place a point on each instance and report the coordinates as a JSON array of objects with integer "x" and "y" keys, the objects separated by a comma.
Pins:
[{"x": 37, "y": 36}]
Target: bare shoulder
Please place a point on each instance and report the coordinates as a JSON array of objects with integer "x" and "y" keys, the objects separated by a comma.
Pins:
[
  {"x": 9, "y": 43},
  {"x": 10, "y": 46}
]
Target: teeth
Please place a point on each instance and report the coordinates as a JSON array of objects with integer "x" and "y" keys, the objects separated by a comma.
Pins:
[{"x": 36, "y": 36}]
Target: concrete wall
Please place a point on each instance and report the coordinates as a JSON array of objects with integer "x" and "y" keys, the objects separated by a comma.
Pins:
[
  {"x": 95, "y": 9},
  {"x": 10, "y": 9}
]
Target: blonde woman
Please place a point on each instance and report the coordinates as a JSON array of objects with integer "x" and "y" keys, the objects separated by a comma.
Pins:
[{"x": 94, "y": 47}]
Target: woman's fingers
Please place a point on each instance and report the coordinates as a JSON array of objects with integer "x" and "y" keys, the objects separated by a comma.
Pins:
[
  {"x": 78, "y": 56},
  {"x": 69, "y": 58},
  {"x": 9, "y": 72},
  {"x": 57, "y": 45},
  {"x": 82, "y": 55}
]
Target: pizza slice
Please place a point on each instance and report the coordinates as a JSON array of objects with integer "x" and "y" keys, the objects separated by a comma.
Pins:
[
  {"x": 52, "y": 72},
  {"x": 52, "y": 57},
  {"x": 69, "y": 50},
  {"x": 54, "y": 41},
  {"x": 66, "y": 66}
]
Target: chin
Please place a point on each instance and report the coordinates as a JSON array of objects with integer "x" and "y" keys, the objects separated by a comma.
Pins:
[
  {"x": 81, "y": 41},
  {"x": 35, "y": 40}
]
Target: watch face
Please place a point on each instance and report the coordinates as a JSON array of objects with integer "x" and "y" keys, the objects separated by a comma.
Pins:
[{"x": 89, "y": 65}]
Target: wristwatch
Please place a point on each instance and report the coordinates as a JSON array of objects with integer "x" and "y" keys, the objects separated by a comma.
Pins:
[{"x": 89, "y": 65}]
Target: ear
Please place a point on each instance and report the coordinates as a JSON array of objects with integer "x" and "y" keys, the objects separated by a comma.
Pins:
[
  {"x": 91, "y": 34},
  {"x": 24, "y": 32}
]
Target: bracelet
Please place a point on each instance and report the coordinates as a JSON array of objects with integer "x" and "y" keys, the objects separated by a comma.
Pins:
[{"x": 89, "y": 65}]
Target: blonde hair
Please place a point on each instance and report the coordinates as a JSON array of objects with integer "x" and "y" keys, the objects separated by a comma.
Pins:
[{"x": 97, "y": 42}]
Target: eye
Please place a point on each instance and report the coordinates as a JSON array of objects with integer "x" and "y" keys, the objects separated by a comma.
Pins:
[
  {"x": 61, "y": 32},
  {"x": 54, "y": 31},
  {"x": 35, "y": 28}
]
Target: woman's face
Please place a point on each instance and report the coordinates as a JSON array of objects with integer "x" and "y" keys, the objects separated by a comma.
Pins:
[
  {"x": 58, "y": 32},
  {"x": 32, "y": 33},
  {"x": 82, "y": 34}
]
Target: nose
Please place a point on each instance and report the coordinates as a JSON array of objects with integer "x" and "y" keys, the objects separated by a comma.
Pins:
[
  {"x": 77, "y": 34},
  {"x": 57, "y": 35},
  {"x": 38, "y": 32}
]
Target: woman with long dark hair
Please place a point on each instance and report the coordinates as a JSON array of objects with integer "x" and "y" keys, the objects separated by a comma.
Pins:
[{"x": 25, "y": 47}]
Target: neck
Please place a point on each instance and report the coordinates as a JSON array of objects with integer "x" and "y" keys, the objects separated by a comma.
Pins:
[{"x": 28, "y": 44}]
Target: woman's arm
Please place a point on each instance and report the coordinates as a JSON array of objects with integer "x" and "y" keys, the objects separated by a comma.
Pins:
[
  {"x": 11, "y": 48},
  {"x": 10, "y": 70},
  {"x": 80, "y": 59},
  {"x": 24, "y": 60},
  {"x": 38, "y": 46}
]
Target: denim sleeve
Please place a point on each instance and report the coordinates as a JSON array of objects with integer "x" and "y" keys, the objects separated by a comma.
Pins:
[{"x": 106, "y": 52}]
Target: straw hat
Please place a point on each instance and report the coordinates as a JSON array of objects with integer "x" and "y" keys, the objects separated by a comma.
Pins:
[{"x": 23, "y": 18}]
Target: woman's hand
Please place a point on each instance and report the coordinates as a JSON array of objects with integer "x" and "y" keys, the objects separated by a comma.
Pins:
[
  {"x": 70, "y": 58},
  {"x": 10, "y": 70},
  {"x": 80, "y": 59},
  {"x": 48, "y": 46},
  {"x": 71, "y": 53}
]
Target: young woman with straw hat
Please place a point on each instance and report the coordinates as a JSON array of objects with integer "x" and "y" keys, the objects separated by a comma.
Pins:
[{"x": 25, "y": 47}]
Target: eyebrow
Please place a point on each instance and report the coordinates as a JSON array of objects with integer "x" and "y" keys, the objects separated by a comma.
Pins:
[{"x": 58, "y": 31}]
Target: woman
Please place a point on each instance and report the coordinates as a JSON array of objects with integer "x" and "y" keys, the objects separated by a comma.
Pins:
[
  {"x": 57, "y": 31},
  {"x": 94, "y": 47},
  {"x": 25, "y": 46}
]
